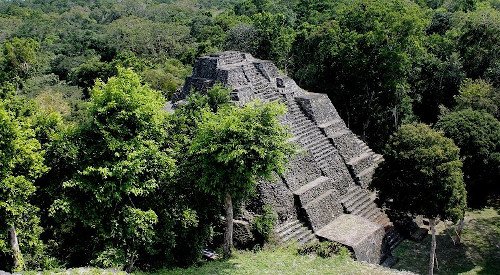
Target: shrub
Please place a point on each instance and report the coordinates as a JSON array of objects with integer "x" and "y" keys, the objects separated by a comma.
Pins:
[
  {"x": 324, "y": 249},
  {"x": 263, "y": 225}
]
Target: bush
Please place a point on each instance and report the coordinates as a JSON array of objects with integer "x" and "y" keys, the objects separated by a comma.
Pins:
[
  {"x": 263, "y": 225},
  {"x": 324, "y": 249}
]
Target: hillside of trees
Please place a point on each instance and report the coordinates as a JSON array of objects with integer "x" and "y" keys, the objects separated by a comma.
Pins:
[{"x": 74, "y": 71}]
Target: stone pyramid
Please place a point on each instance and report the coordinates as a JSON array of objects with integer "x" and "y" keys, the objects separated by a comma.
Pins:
[{"x": 324, "y": 192}]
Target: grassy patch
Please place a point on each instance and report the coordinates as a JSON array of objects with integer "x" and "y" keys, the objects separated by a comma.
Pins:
[
  {"x": 479, "y": 252},
  {"x": 281, "y": 261}
]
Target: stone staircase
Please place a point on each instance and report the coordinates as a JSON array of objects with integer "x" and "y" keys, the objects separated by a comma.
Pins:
[
  {"x": 307, "y": 134},
  {"x": 359, "y": 201},
  {"x": 262, "y": 87},
  {"x": 294, "y": 231},
  {"x": 360, "y": 159},
  {"x": 231, "y": 58}
]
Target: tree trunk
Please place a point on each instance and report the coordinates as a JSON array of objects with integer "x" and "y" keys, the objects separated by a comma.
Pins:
[
  {"x": 130, "y": 263},
  {"x": 432, "y": 224},
  {"x": 16, "y": 252},
  {"x": 228, "y": 233},
  {"x": 460, "y": 228}
]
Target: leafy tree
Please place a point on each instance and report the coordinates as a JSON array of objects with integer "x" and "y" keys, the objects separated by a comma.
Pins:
[
  {"x": 108, "y": 194},
  {"x": 478, "y": 136},
  {"x": 362, "y": 66},
  {"x": 478, "y": 95},
  {"x": 21, "y": 162},
  {"x": 478, "y": 34},
  {"x": 422, "y": 175},
  {"x": 233, "y": 148},
  {"x": 276, "y": 38},
  {"x": 19, "y": 58}
]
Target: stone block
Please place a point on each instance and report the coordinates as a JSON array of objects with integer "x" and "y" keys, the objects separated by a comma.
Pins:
[
  {"x": 364, "y": 237},
  {"x": 242, "y": 234},
  {"x": 301, "y": 170},
  {"x": 318, "y": 107},
  {"x": 276, "y": 194}
]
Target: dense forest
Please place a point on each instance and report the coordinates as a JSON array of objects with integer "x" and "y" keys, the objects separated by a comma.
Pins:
[{"x": 73, "y": 72}]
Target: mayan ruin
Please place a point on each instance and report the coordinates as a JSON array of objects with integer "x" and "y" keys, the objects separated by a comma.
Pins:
[{"x": 323, "y": 195}]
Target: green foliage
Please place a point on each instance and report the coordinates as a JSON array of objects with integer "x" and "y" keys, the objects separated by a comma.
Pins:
[
  {"x": 478, "y": 95},
  {"x": 325, "y": 249},
  {"x": 422, "y": 174},
  {"x": 21, "y": 163},
  {"x": 108, "y": 195},
  {"x": 236, "y": 146},
  {"x": 383, "y": 63},
  {"x": 478, "y": 136},
  {"x": 276, "y": 38},
  {"x": 19, "y": 58},
  {"x": 478, "y": 42},
  {"x": 264, "y": 224},
  {"x": 364, "y": 66}
]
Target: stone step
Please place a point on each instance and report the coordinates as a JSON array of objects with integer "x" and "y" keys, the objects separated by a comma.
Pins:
[
  {"x": 365, "y": 208},
  {"x": 359, "y": 158},
  {"x": 313, "y": 143},
  {"x": 304, "y": 233},
  {"x": 312, "y": 135},
  {"x": 362, "y": 207},
  {"x": 366, "y": 172},
  {"x": 360, "y": 195},
  {"x": 324, "y": 154},
  {"x": 334, "y": 123},
  {"x": 294, "y": 234},
  {"x": 313, "y": 189},
  {"x": 323, "y": 164},
  {"x": 298, "y": 120},
  {"x": 304, "y": 132},
  {"x": 372, "y": 214},
  {"x": 304, "y": 128},
  {"x": 285, "y": 231},
  {"x": 378, "y": 158},
  {"x": 340, "y": 133},
  {"x": 286, "y": 225},
  {"x": 308, "y": 238},
  {"x": 321, "y": 210},
  {"x": 351, "y": 193},
  {"x": 383, "y": 220},
  {"x": 360, "y": 200},
  {"x": 321, "y": 147}
]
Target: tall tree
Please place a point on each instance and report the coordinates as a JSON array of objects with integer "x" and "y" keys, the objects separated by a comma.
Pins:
[
  {"x": 478, "y": 95},
  {"x": 364, "y": 66},
  {"x": 19, "y": 58},
  {"x": 422, "y": 175},
  {"x": 122, "y": 158},
  {"x": 233, "y": 148},
  {"x": 21, "y": 162},
  {"x": 478, "y": 136}
]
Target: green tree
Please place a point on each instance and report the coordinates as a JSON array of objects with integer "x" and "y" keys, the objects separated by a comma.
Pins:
[
  {"x": 478, "y": 95},
  {"x": 233, "y": 148},
  {"x": 21, "y": 162},
  {"x": 362, "y": 57},
  {"x": 478, "y": 136},
  {"x": 422, "y": 175},
  {"x": 19, "y": 58},
  {"x": 276, "y": 38},
  {"x": 478, "y": 37},
  {"x": 122, "y": 158}
]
